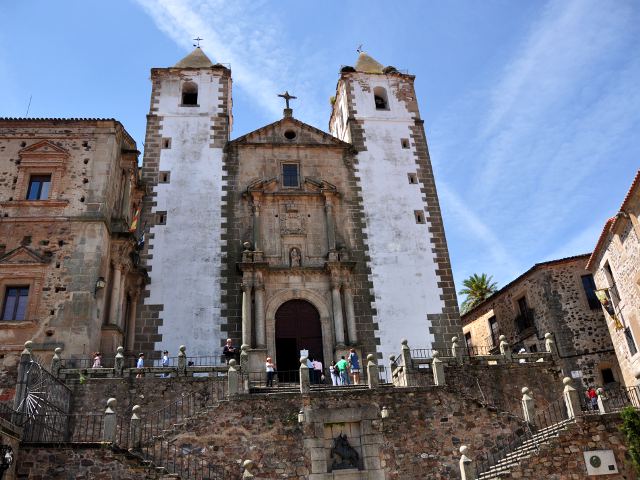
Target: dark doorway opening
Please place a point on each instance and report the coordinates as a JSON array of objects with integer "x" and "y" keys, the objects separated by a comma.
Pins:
[{"x": 297, "y": 328}]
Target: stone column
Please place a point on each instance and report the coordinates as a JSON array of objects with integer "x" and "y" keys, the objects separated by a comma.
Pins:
[
  {"x": 305, "y": 386},
  {"x": 337, "y": 313},
  {"x": 406, "y": 362},
  {"x": 466, "y": 464},
  {"x": 528, "y": 410},
  {"x": 246, "y": 314},
  {"x": 604, "y": 405},
  {"x": 331, "y": 229},
  {"x": 116, "y": 284},
  {"x": 261, "y": 339},
  {"x": 110, "y": 422},
  {"x": 23, "y": 368},
  {"x": 119, "y": 362},
  {"x": 135, "y": 429},
  {"x": 373, "y": 379},
  {"x": 571, "y": 399},
  {"x": 122, "y": 303},
  {"x": 351, "y": 316},
  {"x": 131, "y": 327},
  {"x": 438, "y": 369},
  {"x": 232, "y": 379},
  {"x": 182, "y": 360},
  {"x": 456, "y": 351},
  {"x": 257, "y": 240}
]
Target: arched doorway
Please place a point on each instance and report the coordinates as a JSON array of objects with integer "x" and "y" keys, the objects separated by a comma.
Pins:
[{"x": 297, "y": 328}]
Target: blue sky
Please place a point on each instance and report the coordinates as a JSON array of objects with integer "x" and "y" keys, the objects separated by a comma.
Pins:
[{"x": 532, "y": 109}]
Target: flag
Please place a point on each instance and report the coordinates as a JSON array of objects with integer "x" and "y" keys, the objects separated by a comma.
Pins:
[
  {"x": 603, "y": 296},
  {"x": 134, "y": 222}
]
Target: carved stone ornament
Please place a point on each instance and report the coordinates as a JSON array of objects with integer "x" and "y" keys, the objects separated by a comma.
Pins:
[
  {"x": 292, "y": 223},
  {"x": 344, "y": 455}
]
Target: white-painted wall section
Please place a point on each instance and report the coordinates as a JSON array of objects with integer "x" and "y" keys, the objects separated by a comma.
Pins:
[
  {"x": 402, "y": 263},
  {"x": 186, "y": 263}
]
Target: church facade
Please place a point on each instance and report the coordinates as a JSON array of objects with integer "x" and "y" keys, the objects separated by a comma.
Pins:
[{"x": 290, "y": 238}]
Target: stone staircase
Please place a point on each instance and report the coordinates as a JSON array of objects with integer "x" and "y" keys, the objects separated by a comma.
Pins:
[{"x": 529, "y": 447}]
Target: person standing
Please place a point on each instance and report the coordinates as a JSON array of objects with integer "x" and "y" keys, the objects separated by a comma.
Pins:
[
  {"x": 229, "y": 351},
  {"x": 312, "y": 373},
  {"x": 343, "y": 367},
  {"x": 592, "y": 395},
  {"x": 335, "y": 374},
  {"x": 165, "y": 362},
  {"x": 317, "y": 370},
  {"x": 271, "y": 371},
  {"x": 97, "y": 360},
  {"x": 140, "y": 365},
  {"x": 354, "y": 365}
]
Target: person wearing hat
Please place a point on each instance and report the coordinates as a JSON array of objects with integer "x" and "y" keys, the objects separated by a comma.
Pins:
[
  {"x": 165, "y": 362},
  {"x": 271, "y": 371},
  {"x": 140, "y": 365}
]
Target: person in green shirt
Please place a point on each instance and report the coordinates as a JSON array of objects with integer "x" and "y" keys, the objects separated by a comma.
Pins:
[{"x": 343, "y": 367}]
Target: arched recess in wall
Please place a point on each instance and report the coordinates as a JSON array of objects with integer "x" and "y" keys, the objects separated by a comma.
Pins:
[
  {"x": 317, "y": 300},
  {"x": 380, "y": 98},
  {"x": 189, "y": 93}
]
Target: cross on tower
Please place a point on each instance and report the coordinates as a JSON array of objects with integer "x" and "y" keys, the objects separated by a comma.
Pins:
[
  {"x": 197, "y": 39},
  {"x": 286, "y": 97}
]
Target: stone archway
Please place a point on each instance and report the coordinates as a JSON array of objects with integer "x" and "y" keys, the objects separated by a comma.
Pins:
[{"x": 320, "y": 303}]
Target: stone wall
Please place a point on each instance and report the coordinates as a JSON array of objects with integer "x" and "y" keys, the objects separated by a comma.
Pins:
[
  {"x": 555, "y": 295},
  {"x": 95, "y": 462},
  {"x": 619, "y": 248},
  {"x": 563, "y": 457}
]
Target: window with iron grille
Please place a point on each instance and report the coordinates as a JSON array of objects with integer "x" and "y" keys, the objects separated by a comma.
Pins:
[
  {"x": 493, "y": 326},
  {"x": 630, "y": 341},
  {"x": 290, "y": 175}
]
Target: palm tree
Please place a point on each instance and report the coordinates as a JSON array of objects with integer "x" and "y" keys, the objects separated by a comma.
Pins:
[{"x": 477, "y": 289}]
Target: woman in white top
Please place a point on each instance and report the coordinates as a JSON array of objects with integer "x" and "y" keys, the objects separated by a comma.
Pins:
[
  {"x": 97, "y": 360},
  {"x": 271, "y": 370}
]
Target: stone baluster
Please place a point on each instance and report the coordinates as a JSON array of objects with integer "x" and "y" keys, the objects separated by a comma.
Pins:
[
  {"x": 23, "y": 371},
  {"x": 244, "y": 358},
  {"x": 373, "y": 374},
  {"x": 233, "y": 382},
  {"x": 337, "y": 312},
  {"x": 110, "y": 422},
  {"x": 528, "y": 409},
  {"x": 182, "y": 360},
  {"x": 261, "y": 339},
  {"x": 305, "y": 384},
  {"x": 466, "y": 464},
  {"x": 438, "y": 369},
  {"x": 56, "y": 362},
  {"x": 246, "y": 314},
  {"x": 505, "y": 348},
  {"x": 604, "y": 405},
  {"x": 247, "y": 469},
  {"x": 456, "y": 351},
  {"x": 550, "y": 344},
  {"x": 119, "y": 362},
  {"x": 407, "y": 364},
  {"x": 135, "y": 429},
  {"x": 571, "y": 398}
]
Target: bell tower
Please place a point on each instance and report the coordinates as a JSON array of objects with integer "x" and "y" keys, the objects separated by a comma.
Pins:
[
  {"x": 188, "y": 125},
  {"x": 376, "y": 110}
]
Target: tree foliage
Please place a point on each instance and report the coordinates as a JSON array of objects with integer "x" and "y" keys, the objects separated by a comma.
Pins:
[
  {"x": 631, "y": 429},
  {"x": 477, "y": 289}
]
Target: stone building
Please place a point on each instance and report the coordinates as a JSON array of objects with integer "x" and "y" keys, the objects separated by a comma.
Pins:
[
  {"x": 558, "y": 297},
  {"x": 69, "y": 275},
  {"x": 289, "y": 238},
  {"x": 615, "y": 264}
]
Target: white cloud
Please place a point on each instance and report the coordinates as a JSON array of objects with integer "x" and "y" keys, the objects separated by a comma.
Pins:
[{"x": 245, "y": 35}]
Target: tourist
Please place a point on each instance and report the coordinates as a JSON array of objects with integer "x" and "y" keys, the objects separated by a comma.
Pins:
[
  {"x": 97, "y": 360},
  {"x": 592, "y": 395},
  {"x": 140, "y": 365},
  {"x": 271, "y": 371},
  {"x": 354, "y": 366},
  {"x": 335, "y": 374},
  {"x": 165, "y": 363},
  {"x": 312, "y": 374},
  {"x": 343, "y": 367},
  {"x": 317, "y": 370},
  {"x": 229, "y": 351}
]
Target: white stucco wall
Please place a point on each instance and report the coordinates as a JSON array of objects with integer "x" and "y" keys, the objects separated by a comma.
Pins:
[
  {"x": 186, "y": 263},
  {"x": 402, "y": 263}
]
